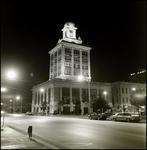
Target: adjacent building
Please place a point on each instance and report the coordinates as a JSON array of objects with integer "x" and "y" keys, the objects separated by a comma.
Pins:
[
  {"x": 121, "y": 93},
  {"x": 70, "y": 79}
]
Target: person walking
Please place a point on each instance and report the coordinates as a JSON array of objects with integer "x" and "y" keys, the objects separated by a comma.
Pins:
[{"x": 30, "y": 131}]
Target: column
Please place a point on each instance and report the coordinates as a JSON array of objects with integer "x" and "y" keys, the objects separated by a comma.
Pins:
[
  {"x": 44, "y": 95},
  {"x": 60, "y": 93},
  {"x": 33, "y": 102},
  {"x": 89, "y": 74},
  {"x": 80, "y": 62},
  {"x": 53, "y": 63},
  {"x": 82, "y": 104},
  {"x": 62, "y": 60},
  {"x": 71, "y": 104},
  {"x": 39, "y": 101},
  {"x": 50, "y": 68},
  {"x": 57, "y": 62},
  {"x": 72, "y": 62}
]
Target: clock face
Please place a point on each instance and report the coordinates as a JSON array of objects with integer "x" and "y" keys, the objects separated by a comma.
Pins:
[{"x": 69, "y": 33}]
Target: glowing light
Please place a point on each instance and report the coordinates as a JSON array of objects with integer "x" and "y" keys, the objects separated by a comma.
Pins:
[
  {"x": 80, "y": 78},
  {"x": 41, "y": 90},
  {"x": 133, "y": 89},
  {"x": 2, "y": 112},
  {"x": 11, "y": 74},
  {"x": 17, "y": 97},
  {"x": 3, "y": 89},
  {"x": 105, "y": 92}
]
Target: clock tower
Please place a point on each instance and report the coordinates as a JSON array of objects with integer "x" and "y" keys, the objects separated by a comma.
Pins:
[{"x": 69, "y": 33}]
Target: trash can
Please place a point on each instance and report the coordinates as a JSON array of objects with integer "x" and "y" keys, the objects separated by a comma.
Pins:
[{"x": 30, "y": 128}]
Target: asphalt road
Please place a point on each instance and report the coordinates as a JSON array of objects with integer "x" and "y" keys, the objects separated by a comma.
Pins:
[{"x": 75, "y": 133}]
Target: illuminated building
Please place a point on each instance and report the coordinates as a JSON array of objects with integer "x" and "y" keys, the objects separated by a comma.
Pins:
[
  {"x": 121, "y": 93},
  {"x": 69, "y": 84},
  {"x": 69, "y": 60}
]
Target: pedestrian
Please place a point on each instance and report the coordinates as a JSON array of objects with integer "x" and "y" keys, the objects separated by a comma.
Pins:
[{"x": 30, "y": 131}]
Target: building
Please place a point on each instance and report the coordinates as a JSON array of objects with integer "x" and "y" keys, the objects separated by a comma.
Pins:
[
  {"x": 70, "y": 83},
  {"x": 121, "y": 94},
  {"x": 69, "y": 77}
]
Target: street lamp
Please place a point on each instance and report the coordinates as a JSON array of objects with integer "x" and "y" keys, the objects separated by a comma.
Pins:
[
  {"x": 10, "y": 104},
  {"x": 133, "y": 89},
  {"x": 11, "y": 74},
  {"x": 21, "y": 103}
]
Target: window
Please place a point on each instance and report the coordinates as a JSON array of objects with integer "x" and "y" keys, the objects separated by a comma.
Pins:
[
  {"x": 122, "y": 90},
  {"x": 76, "y": 66},
  {"x": 130, "y": 90},
  {"x": 126, "y": 90},
  {"x": 84, "y": 53},
  {"x": 68, "y": 64},
  {"x": 116, "y": 90},
  {"x": 68, "y": 50},
  {"x": 127, "y": 99},
  {"x": 76, "y": 52},
  {"x": 59, "y": 52},
  {"x": 67, "y": 71},
  {"x": 123, "y": 100},
  {"x": 76, "y": 58},
  {"x": 85, "y": 67}
]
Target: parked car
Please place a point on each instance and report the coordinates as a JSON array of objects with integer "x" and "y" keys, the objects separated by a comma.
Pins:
[
  {"x": 29, "y": 113},
  {"x": 113, "y": 116},
  {"x": 99, "y": 116},
  {"x": 126, "y": 117},
  {"x": 108, "y": 114}
]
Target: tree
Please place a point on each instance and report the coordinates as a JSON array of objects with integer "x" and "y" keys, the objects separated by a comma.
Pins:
[
  {"x": 60, "y": 104},
  {"x": 43, "y": 106},
  {"x": 137, "y": 98},
  {"x": 99, "y": 103},
  {"x": 77, "y": 107}
]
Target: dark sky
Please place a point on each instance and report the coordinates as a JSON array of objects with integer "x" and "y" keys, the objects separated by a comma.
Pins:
[{"x": 116, "y": 31}]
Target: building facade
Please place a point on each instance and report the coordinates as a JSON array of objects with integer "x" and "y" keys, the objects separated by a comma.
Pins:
[
  {"x": 70, "y": 79},
  {"x": 121, "y": 94}
]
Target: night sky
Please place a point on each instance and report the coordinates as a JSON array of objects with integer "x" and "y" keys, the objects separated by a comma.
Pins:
[{"x": 116, "y": 31}]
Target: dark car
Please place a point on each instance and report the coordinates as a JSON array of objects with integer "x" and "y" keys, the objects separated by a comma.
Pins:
[
  {"x": 97, "y": 116},
  {"x": 127, "y": 117}
]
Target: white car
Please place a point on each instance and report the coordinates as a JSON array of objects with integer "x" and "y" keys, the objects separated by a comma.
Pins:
[
  {"x": 113, "y": 116},
  {"x": 127, "y": 117}
]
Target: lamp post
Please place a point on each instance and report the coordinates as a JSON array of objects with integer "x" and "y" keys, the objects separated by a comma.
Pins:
[
  {"x": 105, "y": 94},
  {"x": 10, "y": 105},
  {"x": 133, "y": 89},
  {"x": 21, "y": 103}
]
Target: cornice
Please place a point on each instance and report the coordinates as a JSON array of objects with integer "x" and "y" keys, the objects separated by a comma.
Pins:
[{"x": 72, "y": 45}]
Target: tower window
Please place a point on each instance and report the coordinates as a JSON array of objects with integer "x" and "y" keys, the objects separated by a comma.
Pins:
[
  {"x": 67, "y": 64},
  {"x": 67, "y": 50},
  {"x": 84, "y": 53},
  {"x": 76, "y": 52},
  {"x": 76, "y": 66}
]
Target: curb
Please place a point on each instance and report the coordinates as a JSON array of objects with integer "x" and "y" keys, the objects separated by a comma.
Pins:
[{"x": 43, "y": 141}]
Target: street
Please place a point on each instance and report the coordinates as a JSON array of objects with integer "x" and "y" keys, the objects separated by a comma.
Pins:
[{"x": 75, "y": 133}]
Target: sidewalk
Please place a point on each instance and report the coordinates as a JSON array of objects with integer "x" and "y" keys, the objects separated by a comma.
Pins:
[{"x": 12, "y": 139}]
